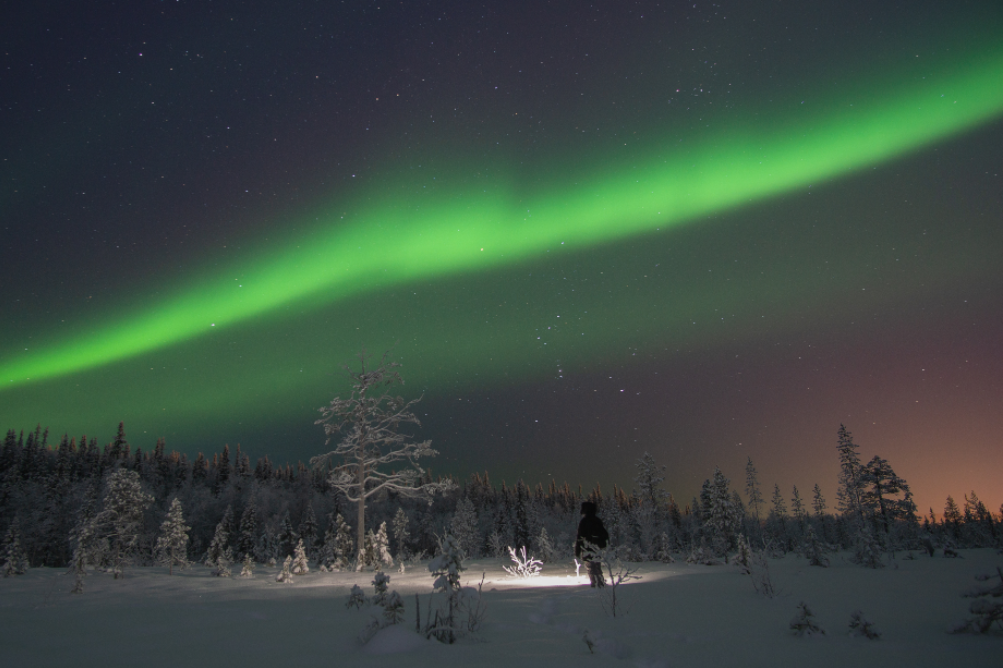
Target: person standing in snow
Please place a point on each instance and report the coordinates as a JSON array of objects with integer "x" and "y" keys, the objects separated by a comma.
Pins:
[{"x": 592, "y": 536}]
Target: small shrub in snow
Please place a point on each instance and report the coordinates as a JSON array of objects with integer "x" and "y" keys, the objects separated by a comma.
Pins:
[
  {"x": 759, "y": 571},
  {"x": 247, "y": 570},
  {"x": 285, "y": 575},
  {"x": 525, "y": 566},
  {"x": 861, "y": 627},
  {"x": 299, "y": 565},
  {"x": 985, "y": 610},
  {"x": 619, "y": 572},
  {"x": 804, "y": 623}
]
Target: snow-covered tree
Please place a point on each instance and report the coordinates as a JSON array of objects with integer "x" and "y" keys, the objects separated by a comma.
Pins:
[
  {"x": 463, "y": 528},
  {"x": 285, "y": 575},
  {"x": 172, "y": 545},
  {"x": 308, "y": 529},
  {"x": 885, "y": 496},
  {"x": 219, "y": 548},
  {"x": 648, "y": 479},
  {"x": 15, "y": 560},
  {"x": 247, "y": 539},
  {"x": 850, "y": 477},
  {"x": 752, "y": 490},
  {"x": 122, "y": 517},
  {"x": 368, "y": 423},
  {"x": 247, "y": 568},
  {"x": 987, "y": 608},
  {"x": 299, "y": 565},
  {"x": 446, "y": 568},
  {"x": 721, "y": 519},
  {"x": 401, "y": 533},
  {"x": 814, "y": 549}
]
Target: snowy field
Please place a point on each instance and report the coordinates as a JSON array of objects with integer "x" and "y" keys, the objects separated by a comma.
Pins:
[{"x": 675, "y": 615}]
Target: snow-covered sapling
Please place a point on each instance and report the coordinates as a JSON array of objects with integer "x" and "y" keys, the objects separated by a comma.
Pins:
[
  {"x": 618, "y": 572},
  {"x": 987, "y": 608},
  {"x": 356, "y": 597},
  {"x": 247, "y": 569},
  {"x": 446, "y": 568},
  {"x": 222, "y": 568},
  {"x": 172, "y": 545},
  {"x": 393, "y": 608},
  {"x": 526, "y": 566},
  {"x": 859, "y": 626},
  {"x": 299, "y": 565},
  {"x": 381, "y": 582},
  {"x": 804, "y": 623},
  {"x": 285, "y": 575}
]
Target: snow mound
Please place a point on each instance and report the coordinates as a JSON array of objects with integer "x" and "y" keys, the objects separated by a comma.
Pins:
[{"x": 394, "y": 640}]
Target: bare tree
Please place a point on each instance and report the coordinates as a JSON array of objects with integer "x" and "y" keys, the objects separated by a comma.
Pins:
[{"x": 368, "y": 423}]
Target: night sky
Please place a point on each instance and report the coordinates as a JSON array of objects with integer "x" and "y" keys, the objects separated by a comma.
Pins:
[{"x": 711, "y": 231}]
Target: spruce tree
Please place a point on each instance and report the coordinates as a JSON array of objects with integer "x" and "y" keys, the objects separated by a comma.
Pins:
[{"x": 752, "y": 490}]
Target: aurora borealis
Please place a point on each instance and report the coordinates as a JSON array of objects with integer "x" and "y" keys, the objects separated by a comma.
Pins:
[{"x": 705, "y": 231}]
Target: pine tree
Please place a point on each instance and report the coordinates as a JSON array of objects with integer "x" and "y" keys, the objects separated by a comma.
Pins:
[
  {"x": 172, "y": 545},
  {"x": 884, "y": 495},
  {"x": 370, "y": 420}
]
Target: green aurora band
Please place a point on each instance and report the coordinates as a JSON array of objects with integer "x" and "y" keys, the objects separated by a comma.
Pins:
[{"x": 476, "y": 230}]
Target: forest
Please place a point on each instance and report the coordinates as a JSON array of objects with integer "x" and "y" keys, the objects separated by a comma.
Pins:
[{"x": 108, "y": 506}]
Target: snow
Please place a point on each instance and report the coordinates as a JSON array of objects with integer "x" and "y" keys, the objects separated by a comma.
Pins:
[{"x": 677, "y": 615}]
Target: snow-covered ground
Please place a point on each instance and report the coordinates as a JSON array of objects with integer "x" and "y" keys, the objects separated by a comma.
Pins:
[{"x": 674, "y": 615}]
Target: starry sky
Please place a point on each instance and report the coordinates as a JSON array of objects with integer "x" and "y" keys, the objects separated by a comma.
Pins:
[{"x": 709, "y": 231}]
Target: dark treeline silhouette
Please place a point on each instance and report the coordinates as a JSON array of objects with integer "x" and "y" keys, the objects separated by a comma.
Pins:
[{"x": 49, "y": 490}]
